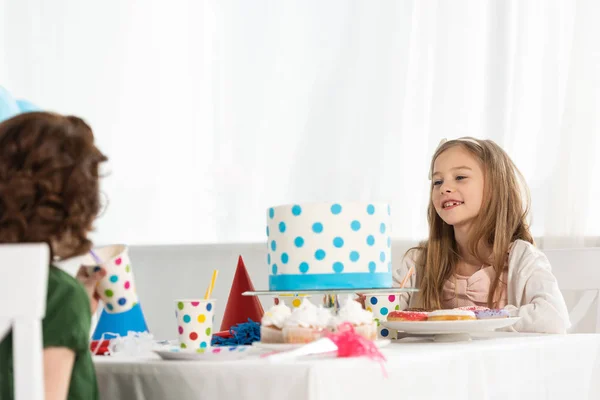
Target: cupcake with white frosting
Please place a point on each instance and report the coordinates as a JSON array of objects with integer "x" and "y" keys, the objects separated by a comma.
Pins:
[
  {"x": 271, "y": 325},
  {"x": 306, "y": 324},
  {"x": 361, "y": 319}
]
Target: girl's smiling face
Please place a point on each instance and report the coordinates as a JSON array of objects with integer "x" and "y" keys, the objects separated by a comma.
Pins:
[{"x": 457, "y": 191}]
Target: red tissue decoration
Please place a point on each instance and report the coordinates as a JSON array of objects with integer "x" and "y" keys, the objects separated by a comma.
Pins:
[{"x": 351, "y": 344}]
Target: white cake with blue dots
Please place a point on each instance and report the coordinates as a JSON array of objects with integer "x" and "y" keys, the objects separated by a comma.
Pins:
[{"x": 329, "y": 246}]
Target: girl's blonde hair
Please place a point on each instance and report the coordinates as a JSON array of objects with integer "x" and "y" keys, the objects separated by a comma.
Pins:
[{"x": 501, "y": 220}]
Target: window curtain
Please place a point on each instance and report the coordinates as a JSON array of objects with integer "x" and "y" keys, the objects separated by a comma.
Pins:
[{"x": 212, "y": 111}]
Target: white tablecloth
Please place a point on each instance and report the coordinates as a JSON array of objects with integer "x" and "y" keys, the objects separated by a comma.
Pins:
[{"x": 499, "y": 366}]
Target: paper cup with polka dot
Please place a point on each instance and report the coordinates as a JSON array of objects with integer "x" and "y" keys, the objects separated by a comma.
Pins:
[
  {"x": 117, "y": 288},
  {"x": 381, "y": 305},
  {"x": 292, "y": 301},
  {"x": 195, "y": 323}
]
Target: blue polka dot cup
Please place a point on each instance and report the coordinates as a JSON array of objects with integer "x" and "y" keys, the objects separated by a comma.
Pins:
[
  {"x": 117, "y": 288},
  {"x": 381, "y": 305},
  {"x": 195, "y": 323}
]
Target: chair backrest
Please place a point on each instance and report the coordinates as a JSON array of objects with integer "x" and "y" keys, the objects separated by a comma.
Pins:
[
  {"x": 23, "y": 288},
  {"x": 578, "y": 275}
]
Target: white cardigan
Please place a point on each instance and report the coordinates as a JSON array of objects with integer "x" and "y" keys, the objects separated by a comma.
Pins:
[{"x": 532, "y": 291}]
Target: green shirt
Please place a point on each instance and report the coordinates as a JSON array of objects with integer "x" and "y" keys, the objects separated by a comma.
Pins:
[{"x": 66, "y": 324}]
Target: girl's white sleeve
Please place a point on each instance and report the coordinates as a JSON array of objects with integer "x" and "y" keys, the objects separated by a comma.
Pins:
[
  {"x": 399, "y": 273},
  {"x": 543, "y": 308}
]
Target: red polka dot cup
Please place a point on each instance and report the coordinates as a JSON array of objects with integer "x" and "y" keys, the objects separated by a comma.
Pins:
[
  {"x": 195, "y": 323},
  {"x": 381, "y": 304},
  {"x": 117, "y": 288}
]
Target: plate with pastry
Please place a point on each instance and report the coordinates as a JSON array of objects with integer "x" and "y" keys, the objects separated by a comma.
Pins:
[{"x": 440, "y": 322}]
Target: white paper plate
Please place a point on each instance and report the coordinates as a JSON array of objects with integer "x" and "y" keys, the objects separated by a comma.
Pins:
[
  {"x": 448, "y": 327},
  {"x": 221, "y": 353},
  {"x": 289, "y": 346}
]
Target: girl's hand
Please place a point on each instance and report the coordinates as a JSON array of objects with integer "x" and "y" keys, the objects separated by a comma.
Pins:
[{"x": 89, "y": 282}]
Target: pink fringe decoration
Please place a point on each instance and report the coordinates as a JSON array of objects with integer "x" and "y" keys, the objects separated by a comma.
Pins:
[{"x": 351, "y": 344}]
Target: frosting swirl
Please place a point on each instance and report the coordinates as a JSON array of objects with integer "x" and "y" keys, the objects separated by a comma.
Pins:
[
  {"x": 353, "y": 312},
  {"x": 276, "y": 316},
  {"x": 309, "y": 315}
]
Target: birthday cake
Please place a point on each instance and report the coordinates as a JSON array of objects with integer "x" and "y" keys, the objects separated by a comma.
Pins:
[{"x": 329, "y": 246}]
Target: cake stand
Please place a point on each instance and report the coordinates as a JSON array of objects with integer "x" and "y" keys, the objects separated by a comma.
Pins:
[{"x": 330, "y": 296}]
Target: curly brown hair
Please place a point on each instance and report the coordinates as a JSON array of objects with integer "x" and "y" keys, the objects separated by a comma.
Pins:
[{"x": 49, "y": 182}]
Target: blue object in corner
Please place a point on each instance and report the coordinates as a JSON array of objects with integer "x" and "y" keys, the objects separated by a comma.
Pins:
[{"x": 9, "y": 106}]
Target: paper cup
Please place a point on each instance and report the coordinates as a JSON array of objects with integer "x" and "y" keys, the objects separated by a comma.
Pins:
[
  {"x": 194, "y": 323},
  {"x": 381, "y": 304},
  {"x": 117, "y": 288},
  {"x": 292, "y": 301}
]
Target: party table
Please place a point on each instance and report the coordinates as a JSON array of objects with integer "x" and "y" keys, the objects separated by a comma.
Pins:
[{"x": 492, "y": 366}]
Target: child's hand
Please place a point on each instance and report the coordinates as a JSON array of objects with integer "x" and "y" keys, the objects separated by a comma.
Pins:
[{"x": 89, "y": 282}]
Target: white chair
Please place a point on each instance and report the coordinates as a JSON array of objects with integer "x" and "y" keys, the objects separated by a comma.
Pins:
[
  {"x": 578, "y": 275},
  {"x": 23, "y": 288}
]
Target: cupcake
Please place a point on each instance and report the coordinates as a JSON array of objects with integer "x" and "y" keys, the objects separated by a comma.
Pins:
[
  {"x": 272, "y": 322},
  {"x": 306, "y": 324},
  {"x": 361, "y": 319}
]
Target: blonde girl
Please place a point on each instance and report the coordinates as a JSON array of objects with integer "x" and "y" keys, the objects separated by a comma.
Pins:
[{"x": 480, "y": 251}]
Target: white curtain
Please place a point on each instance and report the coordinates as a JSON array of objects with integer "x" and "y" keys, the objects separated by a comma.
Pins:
[{"x": 213, "y": 111}]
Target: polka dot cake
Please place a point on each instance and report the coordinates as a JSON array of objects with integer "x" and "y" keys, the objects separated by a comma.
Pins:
[{"x": 329, "y": 246}]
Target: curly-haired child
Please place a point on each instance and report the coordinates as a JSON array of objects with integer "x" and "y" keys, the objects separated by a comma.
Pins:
[{"x": 49, "y": 192}]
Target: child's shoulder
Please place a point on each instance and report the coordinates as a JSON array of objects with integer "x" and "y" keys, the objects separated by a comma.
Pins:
[
  {"x": 523, "y": 253},
  {"x": 63, "y": 281},
  {"x": 65, "y": 290},
  {"x": 524, "y": 248}
]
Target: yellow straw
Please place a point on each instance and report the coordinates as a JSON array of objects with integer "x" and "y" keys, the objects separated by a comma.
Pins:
[{"x": 212, "y": 285}]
